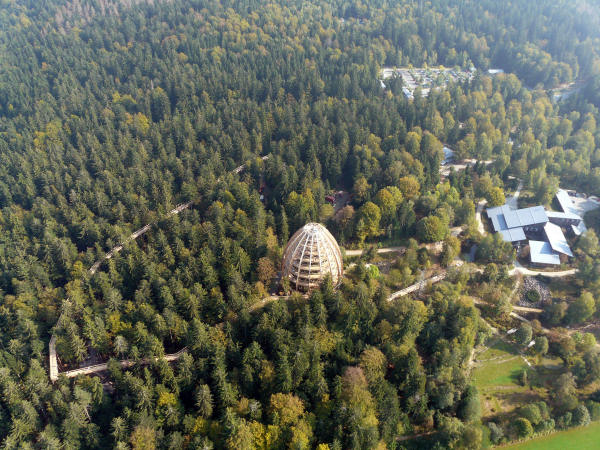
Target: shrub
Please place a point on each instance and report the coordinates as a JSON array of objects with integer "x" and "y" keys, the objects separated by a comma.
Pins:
[
  {"x": 523, "y": 377},
  {"x": 524, "y": 334},
  {"x": 564, "y": 421},
  {"x": 470, "y": 406},
  {"x": 532, "y": 296},
  {"x": 496, "y": 433},
  {"x": 546, "y": 425},
  {"x": 593, "y": 408},
  {"x": 523, "y": 427},
  {"x": 581, "y": 416},
  {"x": 532, "y": 413}
]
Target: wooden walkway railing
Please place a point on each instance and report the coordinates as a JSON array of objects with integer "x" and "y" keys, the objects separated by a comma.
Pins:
[
  {"x": 53, "y": 359},
  {"x": 125, "y": 363}
]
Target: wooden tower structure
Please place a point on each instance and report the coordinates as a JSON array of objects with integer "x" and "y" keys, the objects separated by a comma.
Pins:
[{"x": 311, "y": 254}]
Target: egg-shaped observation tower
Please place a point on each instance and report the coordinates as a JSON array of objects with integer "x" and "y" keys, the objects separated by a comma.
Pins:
[{"x": 311, "y": 254}]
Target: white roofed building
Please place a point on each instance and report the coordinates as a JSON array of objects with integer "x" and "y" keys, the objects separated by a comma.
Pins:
[
  {"x": 565, "y": 202},
  {"x": 542, "y": 228},
  {"x": 541, "y": 253},
  {"x": 557, "y": 239},
  {"x": 516, "y": 236}
]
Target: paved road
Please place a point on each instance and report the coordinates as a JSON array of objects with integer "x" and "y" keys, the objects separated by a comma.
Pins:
[
  {"x": 513, "y": 201},
  {"x": 480, "y": 226},
  {"x": 454, "y": 231},
  {"x": 379, "y": 250},
  {"x": 532, "y": 273}
]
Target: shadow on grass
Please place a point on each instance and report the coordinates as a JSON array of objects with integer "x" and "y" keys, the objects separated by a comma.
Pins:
[{"x": 516, "y": 375}]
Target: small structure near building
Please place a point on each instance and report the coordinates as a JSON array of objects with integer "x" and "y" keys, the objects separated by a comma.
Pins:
[
  {"x": 312, "y": 254},
  {"x": 448, "y": 156}
]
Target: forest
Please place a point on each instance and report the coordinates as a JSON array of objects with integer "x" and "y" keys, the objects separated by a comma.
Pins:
[{"x": 113, "y": 112}]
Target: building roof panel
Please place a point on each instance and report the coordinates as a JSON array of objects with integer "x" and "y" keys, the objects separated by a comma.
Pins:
[
  {"x": 563, "y": 215},
  {"x": 513, "y": 235},
  {"x": 539, "y": 214},
  {"x": 578, "y": 230},
  {"x": 565, "y": 201},
  {"x": 496, "y": 215},
  {"x": 557, "y": 239},
  {"x": 512, "y": 219},
  {"x": 540, "y": 252},
  {"x": 503, "y": 217},
  {"x": 526, "y": 216}
]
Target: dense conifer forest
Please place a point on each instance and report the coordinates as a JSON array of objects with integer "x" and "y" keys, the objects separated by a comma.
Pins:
[{"x": 113, "y": 112}]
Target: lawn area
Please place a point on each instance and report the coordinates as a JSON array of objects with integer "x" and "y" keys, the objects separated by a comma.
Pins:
[
  {"x": 496, "y": 375},
  {"x": 582, "y": 438},
  {"x": 499, "y": 365}
]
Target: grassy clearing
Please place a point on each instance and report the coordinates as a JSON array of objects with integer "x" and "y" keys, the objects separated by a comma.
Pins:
[
  {"x": 500, "y": 373},
  {"x": 499, "y": 365},
  {"x": 583, "y": 438},
  {"x": 496, "y": 375}
]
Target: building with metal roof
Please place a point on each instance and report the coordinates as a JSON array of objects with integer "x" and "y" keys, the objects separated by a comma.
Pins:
[
  {"x": 565, "y": 202},
  {"x": 565, "y": 217},
  {"x": 541, "y": 253},
  {"x": 526, "y": 217},
  {"x": 514, "y": 235},
  {"x": 578, "y": 230},
  {"x": 496, "y": 215},
  {"x": 533, "y": 223},
  {"x": 505, "y": 218},
  {"x": 557, "y": 239}
]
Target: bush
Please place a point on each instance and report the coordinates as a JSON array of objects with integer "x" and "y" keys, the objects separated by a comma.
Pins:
[
  {"x": 523, "y": 377},
  {"x": 532, "y": 296},
  {"x": 581, "y": 416},
  {"x": 492, "y": 248},
  {"x": 564, "y": 421},
  {"x": 546, "y": 425},
  {"x": 524, "y": 334},
  {"x": 496, "y": 433},
  {"x": 532, "y": 413},
  {"x": 581, "y": 309},
  {"x": 470, "y": 406},
  {"x": 495, "y": 197},
  {"x": 471, "y": 438},
  {"x": 523, "y": 428},
  {"x": 593, "y": 408}
]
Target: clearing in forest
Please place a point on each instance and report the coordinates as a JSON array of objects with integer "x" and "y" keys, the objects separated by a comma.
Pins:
[
  {"x": 581, "y": 438},
  {"x": 497, "y": 375}
]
